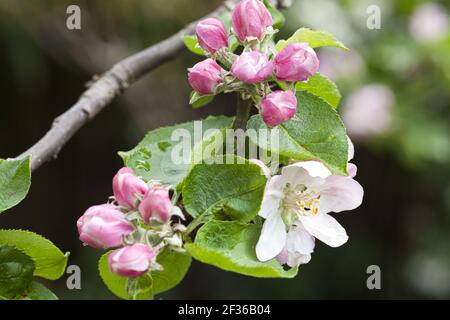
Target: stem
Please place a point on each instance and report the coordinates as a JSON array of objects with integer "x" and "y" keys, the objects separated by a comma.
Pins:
[
  {"x": 242, "y": 113},
  {"x": 197, "y": 221},
  {"x": 175, "y": 197}
]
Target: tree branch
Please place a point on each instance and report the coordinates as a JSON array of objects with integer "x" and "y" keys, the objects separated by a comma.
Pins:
[
  {"x": 110, "y": 85},
  {"x": 103, "y": 91}
]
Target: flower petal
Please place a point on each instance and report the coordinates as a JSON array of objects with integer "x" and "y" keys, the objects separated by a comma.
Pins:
[
  {"x": 296, "y": 259},
  {"x": 273, "y": 194},
  {"x": 272, "y": 238},
  {"x": 299, "y": 240},
  {"x": 282, "y": 256},
  {"x": 325, "y": 228},
  {"x": 351, "y": 149},
  {"x": 265, "y": 170},
  {"x": 340, "y": 193},
  {"x": 314, "y": 168},
  {"x": 308, "y": 173},
  {"x": 352, "y": 170}
]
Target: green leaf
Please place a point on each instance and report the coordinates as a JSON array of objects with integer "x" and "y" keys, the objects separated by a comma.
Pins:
[
  {"x": 322, "y": 87},
  {"x": 277, "y": 17},
  {"x": 212, "y": 144},
  {"x": 140, "y": 287},
  {"x": 15, "y": 180},
  {"x": 49, "y": 261},
  {"x": 237, "y": 189},
  {"x": 175, "y": 266},
  {"x": 38, "y": 291},
  {"x": 191, "y": 42},
  {"x": 314, "y": 38},
  {"x": 152, "y": 157},
  {"x": 198, "y": 101},
  {"x": 234, "y": 43},
  {"x": 16, "y": 271},
  {"x": 315, "y": 133},
  {"x": 230, "y": 245}
]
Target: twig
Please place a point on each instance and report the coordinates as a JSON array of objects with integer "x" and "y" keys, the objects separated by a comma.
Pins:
[
  {"x": 103, "y": 91},
  {"x": 107, "y": 87},
  {"x": 242, "y": 113}
]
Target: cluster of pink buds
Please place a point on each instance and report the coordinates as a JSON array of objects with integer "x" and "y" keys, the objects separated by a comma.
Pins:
[
  {"x": 138, "y": 222},
  {"x": 258, "y": 70}
]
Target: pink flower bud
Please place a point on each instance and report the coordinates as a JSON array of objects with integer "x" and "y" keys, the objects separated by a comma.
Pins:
[
  {"x": 156, "y": 205},
  {"x": 205, "y": 76},
  {"x": 103, "y": 226},
  {"x": 250, "y": 18},
  {"x": 252, "y": 67},
  {"x": 296, "y": 62},
  {"x": 131, "y": 261},
  {"x": 211, "y": 35},
  {"x": 278, "y": 107},
  {"x": 126, "y": 186}
]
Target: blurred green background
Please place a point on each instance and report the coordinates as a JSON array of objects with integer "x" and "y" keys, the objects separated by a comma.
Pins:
[{"x": 396, "y": 88}]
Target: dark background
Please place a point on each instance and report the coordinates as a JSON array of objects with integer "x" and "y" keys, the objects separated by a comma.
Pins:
[{"x": 403, "y": 225}]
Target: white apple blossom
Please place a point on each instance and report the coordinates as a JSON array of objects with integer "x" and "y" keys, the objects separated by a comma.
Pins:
[{"x": 296, "y": 206}]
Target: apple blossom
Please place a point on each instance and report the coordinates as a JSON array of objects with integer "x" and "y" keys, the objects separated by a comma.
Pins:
[
  {"x": 156, "y": 205},
  {"x": 103, "y": 226},
  {"x": 205, "y": 76},
  {"x": 250, "y": 18},
  {"x": 278, "y": 107},
  {"x": 296, "y": 206},
  {"x": 341, "y": 65},
  {"x": 252, "y": 67},
  {"x": 296, "y": 62},
  {"x": 211, "y": 35},
  {"x": 131, "y": 261},
  {"x": 367, "y": 111},
  {"x": 126, "y": 188},
  {"x": 429, "y": 22}
]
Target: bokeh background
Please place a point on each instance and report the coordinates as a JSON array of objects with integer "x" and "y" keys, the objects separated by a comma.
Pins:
[{"x": 396, "y": 88}]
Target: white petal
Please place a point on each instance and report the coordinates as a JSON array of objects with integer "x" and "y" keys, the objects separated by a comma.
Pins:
[
  {"x": 308, "y": 173},
  {"x": 265, "y": 170},
  {"x": 272, "y": 238},
  {"x": 351, "y": 170},
  {"x": 351, "y": 149},
  {"x": 273, "y": 194},
  {"x": 282, "y": 256},
  {"x": 299, "y": 240},
  {"x": 340, "y": 193},
  {"x": 176, "y": 211},
  {"x": 296, "y": 259},
  {"x": 325, "y": 228},
  {"x": 315, "y": 169}
]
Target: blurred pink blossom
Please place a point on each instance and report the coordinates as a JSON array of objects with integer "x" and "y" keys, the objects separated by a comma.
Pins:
[
  {"x": 429, "y": 22},
  {"x": 336, "y": 65},
  {"x": 368, "y": 111}
]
